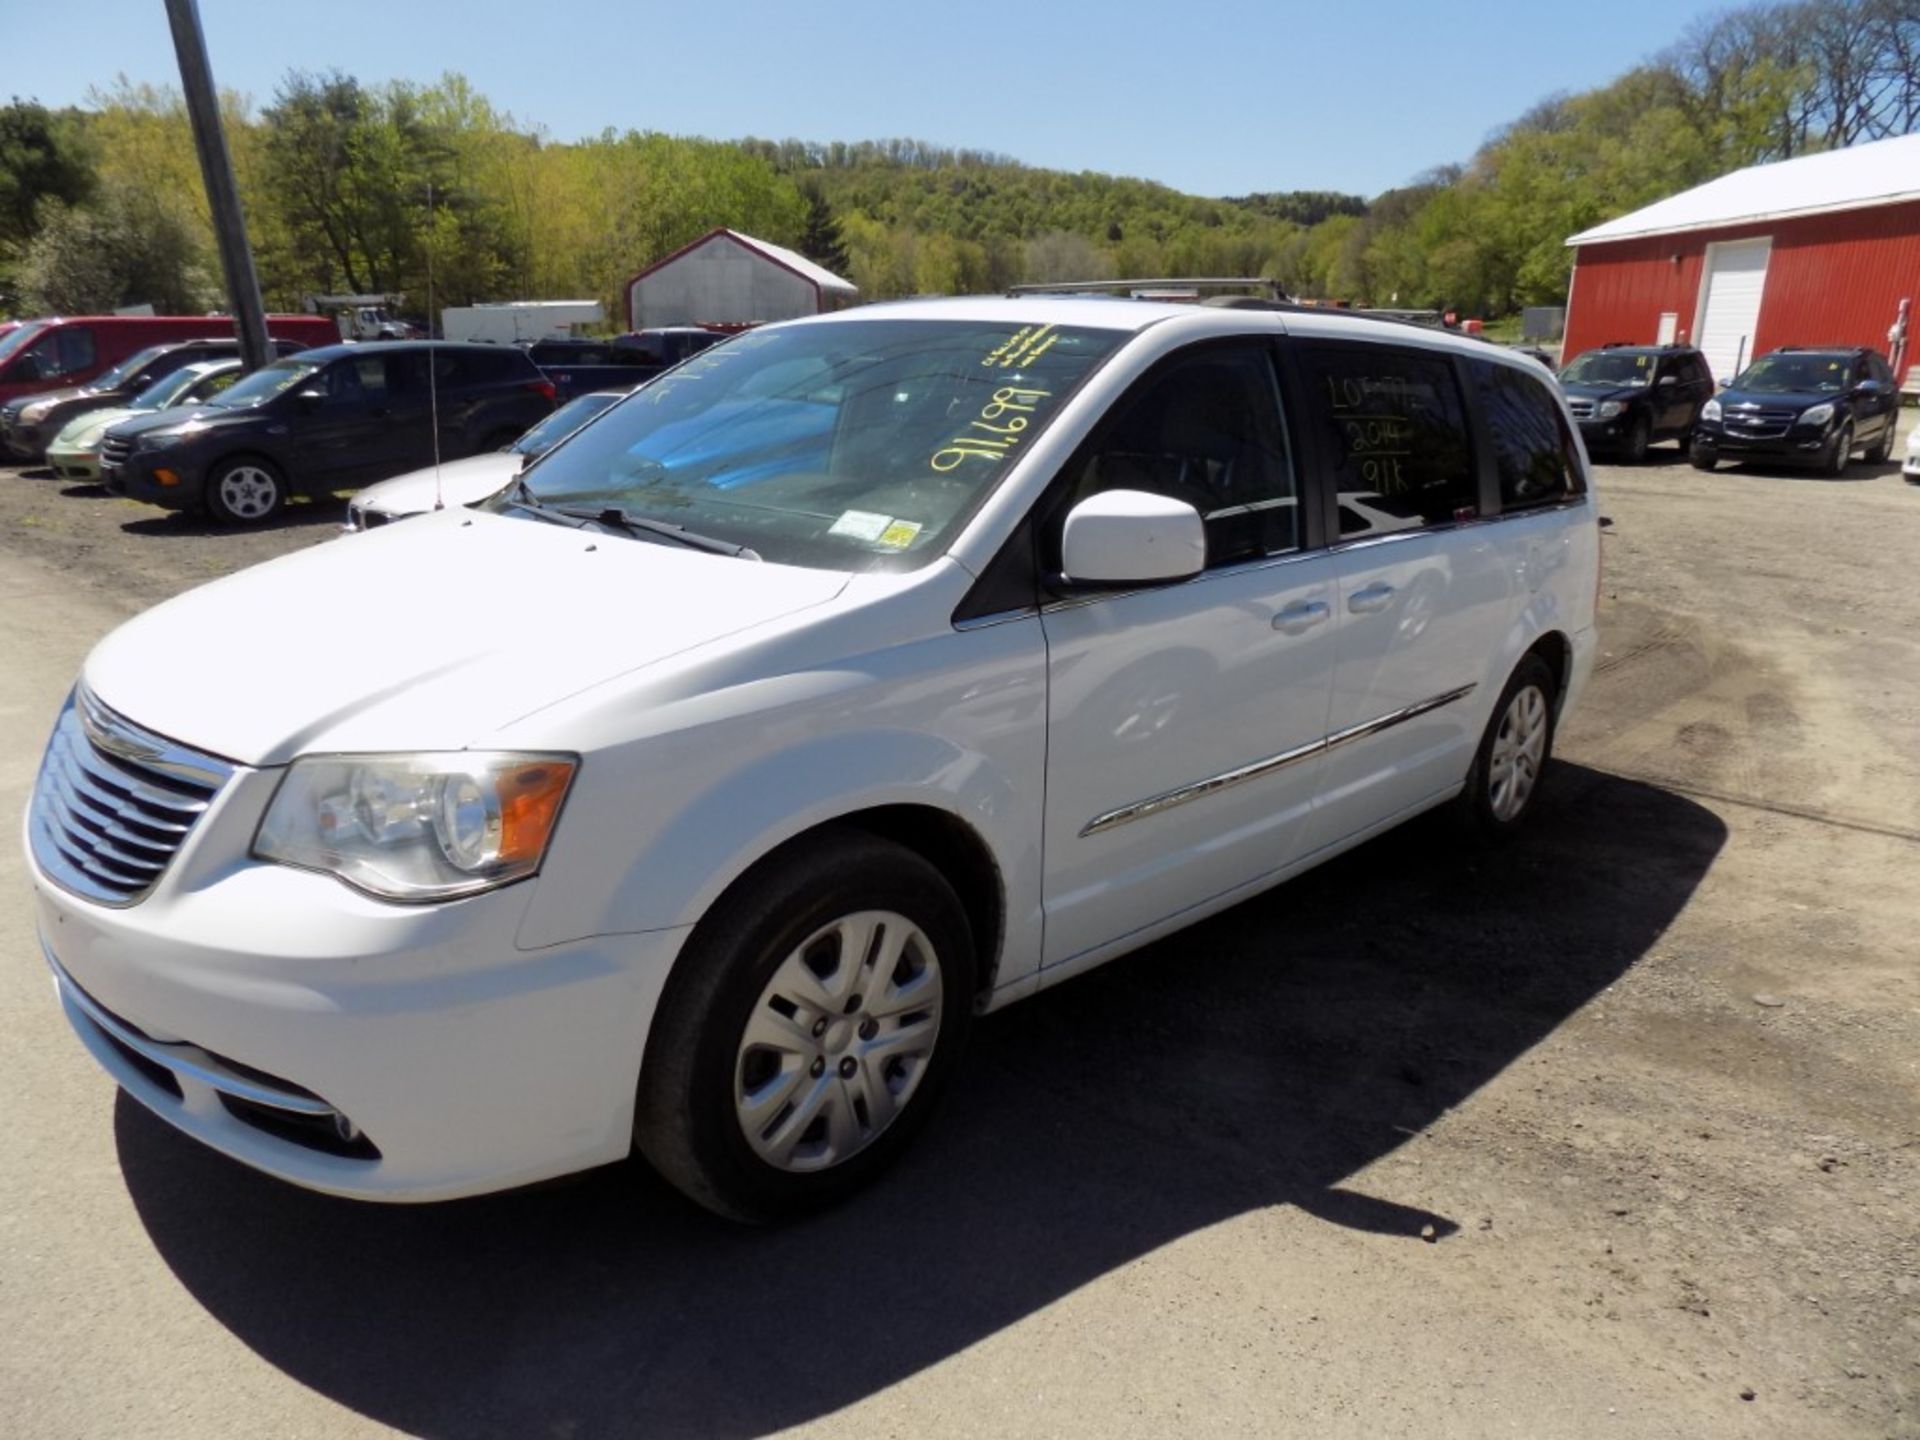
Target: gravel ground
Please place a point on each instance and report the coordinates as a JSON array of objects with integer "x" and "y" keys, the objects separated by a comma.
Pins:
[{"x": 1615, "y": 1133}]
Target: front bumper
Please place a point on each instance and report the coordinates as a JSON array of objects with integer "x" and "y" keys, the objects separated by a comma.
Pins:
[
  {"x": 1799, "y": 446},
  {"x": 1605, "y": 434},
  {"x": 377, "y": 1051},
  {"x": 74, "y": 464},
  {"x": 171, "y": 478}
]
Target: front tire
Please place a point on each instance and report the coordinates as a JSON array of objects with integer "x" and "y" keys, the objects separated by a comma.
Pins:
[
  {"x": 1513, "y": 754},
  {"x": 245, "y": 491},
  {"x": 1701, "y": 458},
  {"x": 1639, "y": 438},
  {"x": 808, "y": 1029},
  {"x": 1842, "y": 452}
]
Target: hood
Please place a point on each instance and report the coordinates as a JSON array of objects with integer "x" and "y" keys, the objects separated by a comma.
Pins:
[
  {"x": 46, "y": 397},
  {"x": 460, "y": 482},
  {"x": 1601, "y": 389},
  {"x": 425, "y": 636},
  {"x": 85, "y": 430},
  {"x": 204, "y": 415},
  {"x": 1779, "y": 399}
]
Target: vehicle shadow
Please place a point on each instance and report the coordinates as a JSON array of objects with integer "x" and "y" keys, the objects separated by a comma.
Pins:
[
  {"x": 292, "y": 517},
  {"x": 1259, "y": 1059}
]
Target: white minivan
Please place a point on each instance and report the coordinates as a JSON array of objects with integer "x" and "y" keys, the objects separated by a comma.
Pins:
[{"x": 860, "y": 676}]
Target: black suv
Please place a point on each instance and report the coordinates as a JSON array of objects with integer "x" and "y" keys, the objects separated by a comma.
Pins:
[
  {"x": 1803, "y": 406},
  {"x": 332, "y": 418},
  {"x": 1625, "y": 397},
  {"x": 29, "y": 423},
  {"x": 580, "y": 366}
]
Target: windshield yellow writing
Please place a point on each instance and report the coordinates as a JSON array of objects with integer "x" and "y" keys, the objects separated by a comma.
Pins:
[{"x": 1002, "y": 420}]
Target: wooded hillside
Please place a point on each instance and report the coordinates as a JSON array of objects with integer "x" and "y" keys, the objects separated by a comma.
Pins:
[{"x": 352, "y": 186}]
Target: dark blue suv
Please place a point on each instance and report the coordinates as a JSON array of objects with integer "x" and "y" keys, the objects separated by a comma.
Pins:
[
  {"x": 333, "y": 418},
  {"x": 1800, "y": 406}
]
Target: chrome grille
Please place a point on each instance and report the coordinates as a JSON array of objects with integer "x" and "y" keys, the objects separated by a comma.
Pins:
[
  {"x": 1757, "y": 423},
  {"x": 114, "y": 450},
  {"x": 114, "y": 802},
  {"x": 1582, "y": 409}
]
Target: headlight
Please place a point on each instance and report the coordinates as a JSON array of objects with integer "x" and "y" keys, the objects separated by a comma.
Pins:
[
  {"x": 160, "y": 439},
  {"x": 1610, "y": 408},
  {"x": 1818, "y": 415},
  {"x": 1710, "y": 410},
  {"x": 417, "y": 827},
  {"x": 34, "y": 414}
]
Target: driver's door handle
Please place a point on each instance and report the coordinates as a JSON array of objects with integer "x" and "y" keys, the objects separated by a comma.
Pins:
[
  {"x": 1370, "y": 598},
  {"x": 1300, "y": 615}
]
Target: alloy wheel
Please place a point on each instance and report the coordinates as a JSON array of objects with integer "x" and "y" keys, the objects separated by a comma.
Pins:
[
  {"x": 1519, "y": 750},
  {"x": 248, "y": 492}
]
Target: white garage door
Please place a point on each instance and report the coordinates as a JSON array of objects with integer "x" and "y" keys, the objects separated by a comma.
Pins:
[{"x": 1736, "y": 273}]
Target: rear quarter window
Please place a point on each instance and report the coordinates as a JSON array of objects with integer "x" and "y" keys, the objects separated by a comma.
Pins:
[{"x": 1532, "y": 445}]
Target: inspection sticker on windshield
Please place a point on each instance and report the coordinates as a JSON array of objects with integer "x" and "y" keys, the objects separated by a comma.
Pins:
[
  {"x": 899, "y": 534},
  {"x": 864, "y": 525}
]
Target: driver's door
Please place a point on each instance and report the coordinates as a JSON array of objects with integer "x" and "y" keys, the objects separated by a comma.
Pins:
[
  {"x": 339, "y": 437},
  {"x": 1184, "y": 720}
]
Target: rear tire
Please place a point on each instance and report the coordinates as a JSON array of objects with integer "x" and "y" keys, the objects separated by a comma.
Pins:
[
  {"x": 807, "y": 1030},
  {"x": 1883, "y": 452},
  {"x": 1507, "y": 769}
]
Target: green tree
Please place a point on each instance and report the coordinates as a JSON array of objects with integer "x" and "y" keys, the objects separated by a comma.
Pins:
[{"x": 115, "y": 252}]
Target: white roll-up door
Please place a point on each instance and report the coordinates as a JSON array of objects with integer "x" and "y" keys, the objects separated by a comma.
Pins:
[{"x": 1730, "y": 290}]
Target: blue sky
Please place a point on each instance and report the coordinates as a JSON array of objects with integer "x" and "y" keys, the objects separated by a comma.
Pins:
[{"x": 1215, "y": 97}]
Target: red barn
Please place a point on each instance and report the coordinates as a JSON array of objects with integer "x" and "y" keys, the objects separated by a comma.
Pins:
[{"x": 1821, "y": 250}]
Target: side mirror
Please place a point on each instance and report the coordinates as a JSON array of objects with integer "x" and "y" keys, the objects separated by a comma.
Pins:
[
  {"x": 310, "y": 399},
  {"x": 1132, "y": 537},
  {"x": 1666, "y": 380},
  {"x": 1867, "y": 387},
  {"x": 26, "y": 368}
]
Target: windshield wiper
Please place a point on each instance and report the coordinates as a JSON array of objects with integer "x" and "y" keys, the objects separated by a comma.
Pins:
[{"x": 612, "y": 517}]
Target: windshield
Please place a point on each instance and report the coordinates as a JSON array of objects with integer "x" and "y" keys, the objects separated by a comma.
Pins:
[
  {"x": 19, "y": 339},
  {"x": 168, "y": 389},
  {"x": 263, "y": 384},
  {"x": 561, "y": 423},
  {"x": 1779, "y": 374},
  {"x": 125, "y": 370},
  {"x": 843, "y": 445},
  {"x": 1609, "y": 367}
]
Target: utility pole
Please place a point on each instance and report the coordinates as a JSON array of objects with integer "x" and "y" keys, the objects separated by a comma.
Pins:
[{"x": 223, "y": 196}]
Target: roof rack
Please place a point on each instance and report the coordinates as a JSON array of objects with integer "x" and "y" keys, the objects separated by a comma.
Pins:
[{"x": 1170, "y": 287}]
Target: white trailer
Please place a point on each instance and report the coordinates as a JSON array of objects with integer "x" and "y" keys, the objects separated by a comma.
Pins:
[{"x": 515, "y": 320}]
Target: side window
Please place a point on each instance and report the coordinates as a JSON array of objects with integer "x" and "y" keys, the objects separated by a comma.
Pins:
[
  {"x": 63, "y": 352},
  {"x": 1880, "y": 370},
  {"x": 1530, "y": 443},
  {"x": 1395, "y": 427},
  {"x": 76, "y": 350},
  {"x": 1206, "y": 430},
  {"x": 211, "y": 385},
  {"x": 362, "y": 380}
]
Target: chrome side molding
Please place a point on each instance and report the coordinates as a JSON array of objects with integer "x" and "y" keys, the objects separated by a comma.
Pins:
[{"x": 1213, "y": 785}]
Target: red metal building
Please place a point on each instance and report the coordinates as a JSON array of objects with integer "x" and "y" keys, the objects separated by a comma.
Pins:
[{"x": 1820, "y": 250}]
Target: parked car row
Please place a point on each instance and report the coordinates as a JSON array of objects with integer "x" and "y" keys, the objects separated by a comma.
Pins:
[
  {"x": 68, "y": 351},
  {"x": 1807, "y": 406}
]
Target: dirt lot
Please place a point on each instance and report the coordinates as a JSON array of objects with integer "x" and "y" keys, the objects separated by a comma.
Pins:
[{"x": 1614, "y": 1134}]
